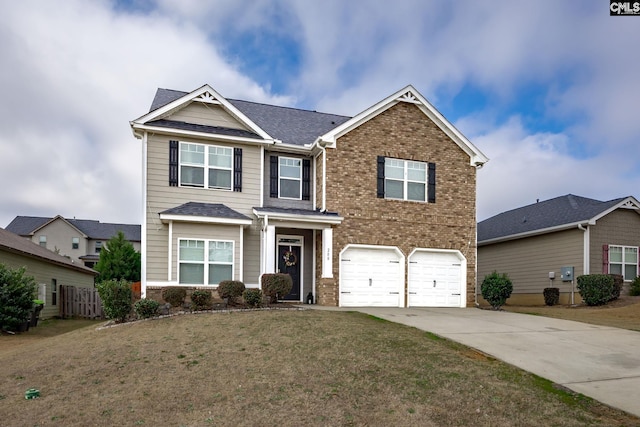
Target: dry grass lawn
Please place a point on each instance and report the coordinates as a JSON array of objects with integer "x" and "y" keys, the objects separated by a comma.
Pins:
[{"x": 275, "y": 368}]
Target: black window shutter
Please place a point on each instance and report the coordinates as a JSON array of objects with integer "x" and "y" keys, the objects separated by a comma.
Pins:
[
  {"x": 432, "y": 183},
  {"x": 306, "y": 179},
  {"x": 237, "y": 169},
  {"x": 273, "y": 176},
  {"x": 381, "y": 177},
  {"x": 173, "y": 163}
]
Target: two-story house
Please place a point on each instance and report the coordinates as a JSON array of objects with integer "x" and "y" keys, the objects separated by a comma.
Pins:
[
  {"x": 80, "y": 240},
  {"x": 372, "y": 210}
]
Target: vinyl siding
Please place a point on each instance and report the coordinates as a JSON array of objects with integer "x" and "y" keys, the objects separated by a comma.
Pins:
[
  {"x": 528, "y": 261},
  {"x": 620, "y": 227},
  {"x": 43, "y": 272},
  {"x": 206, "y": 114},
  {"x": 59, "y": 234}
]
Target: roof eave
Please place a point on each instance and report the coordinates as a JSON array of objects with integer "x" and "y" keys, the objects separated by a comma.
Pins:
[
  {"x": 280, "y": 216},
  {"x": 204, "y": 219},
  {"x": 203, "y": 135},
  {"x": 79, "y": 268},
  {"x": 538, "y": 232}
]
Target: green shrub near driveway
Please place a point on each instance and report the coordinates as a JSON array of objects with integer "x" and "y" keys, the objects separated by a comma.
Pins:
[
  {"x": 16, "y": 297},
  {"x": 496, "y": 289},
  {"x": 116, "y": 296},
  {"x": 276, "y": 285},
  {"x": 551, "y": 296},
  {"x": 618, "y": 282},
  {"x": 596, "y": 289}
]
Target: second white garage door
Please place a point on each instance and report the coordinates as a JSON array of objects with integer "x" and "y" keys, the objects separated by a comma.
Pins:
[
  {"x": 437, "y": 278},
  {"x": 371, "y": 276}
]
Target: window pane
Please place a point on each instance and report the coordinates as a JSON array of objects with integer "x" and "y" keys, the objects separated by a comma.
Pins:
[
  {"x": 192, "y": 250},
  {"x": 630, "y": 272},
  {"x": 631, "y": 255},
  {"x": 192, "y": 153},
  {"x": 220, "y": 157},
  {"x": 218, "y": 273},
  {"x": 417, "y": 171},
  {"x": 615, "y": 254},
  {"x": 394, "y": 168},
  {"x": 393, "y": 189},
  {"x": 219, "y": 178},
  {"x": 221, "y": 252},
  {"x": 615, "y": 268},
  {"x": 290, "y": 188},
  {"x": 192, "y": 176},
  {"x": 416, "y": 191},
  {"x": 192, "y": 273},
  {"x": 290, "y": 168}
]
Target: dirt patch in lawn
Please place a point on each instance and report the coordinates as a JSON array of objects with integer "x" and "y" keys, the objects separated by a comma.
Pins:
[
  {"x": 276, "y": 367},
  {"x": 621, "y": 313}
]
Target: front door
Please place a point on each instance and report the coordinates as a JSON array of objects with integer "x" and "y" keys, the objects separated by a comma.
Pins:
[{"x": 289, "y": 262}]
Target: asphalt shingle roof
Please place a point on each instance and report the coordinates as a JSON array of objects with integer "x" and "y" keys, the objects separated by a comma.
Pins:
[
  {"x": 214, "y": 210},
  {"x": 290, "y": 125},
  {"x": 569, "y": 209},
  {"x": 173, "y": 124},
  {"x": 25, "y": 225}
]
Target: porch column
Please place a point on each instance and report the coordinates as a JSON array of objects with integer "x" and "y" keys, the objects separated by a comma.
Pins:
[
  {"x": 327, "y": 252},
  {"x": 270, "y": 249}
]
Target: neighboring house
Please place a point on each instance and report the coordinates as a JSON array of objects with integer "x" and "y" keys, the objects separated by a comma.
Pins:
[
  {"x": 50, "y": 270},
  {"x": 533, "y": 243},
  {"x": 80, "y": 240},
  {"x": 372, "y": 210}
]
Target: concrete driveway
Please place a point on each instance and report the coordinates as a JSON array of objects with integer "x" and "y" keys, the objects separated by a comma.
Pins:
[{"x": 598, "y": 361}]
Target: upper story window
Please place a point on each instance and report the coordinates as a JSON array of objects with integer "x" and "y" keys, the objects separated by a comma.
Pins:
[
  {"x": 290, "y": 177},
  {"x": 406, "y": 180},
  {"x": 205, "y": 166},
  {"x": 623, "y": 260},
  {"x": 200, "y": 259},
  {"x": 43, "y": 241},
  {"x": 98, "y": 247},
  {"x": 75, "y": 243}
]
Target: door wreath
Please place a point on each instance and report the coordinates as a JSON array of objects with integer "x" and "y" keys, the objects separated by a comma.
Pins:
[{"x": 290, "y": 259}]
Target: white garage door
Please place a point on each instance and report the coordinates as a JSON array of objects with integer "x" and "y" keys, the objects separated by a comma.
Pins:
[
  {"x": 436, "y": 279},
  {"x": 371, "y": 276}
]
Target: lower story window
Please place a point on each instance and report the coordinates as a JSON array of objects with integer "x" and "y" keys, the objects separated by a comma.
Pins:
[
  {"x": 200, "y": 259},
  {"x": 623, "y": 260}
]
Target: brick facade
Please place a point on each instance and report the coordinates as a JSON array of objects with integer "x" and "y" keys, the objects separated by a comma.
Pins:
[{"x": 405, "y": 132}]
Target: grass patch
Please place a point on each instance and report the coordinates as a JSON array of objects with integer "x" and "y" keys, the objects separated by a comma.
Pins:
[{"x": 319, "y": 368}]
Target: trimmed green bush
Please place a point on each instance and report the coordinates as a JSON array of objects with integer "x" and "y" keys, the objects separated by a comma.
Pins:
[
  {"x": 116, "y": 296},
  {"x": 16, "y": 297},
  {"x": 174, "y": 295},
  {"x": 201, "y": 299},
  {"x": 551, "y": 296},
  {"x": 618, "y": 282},
  {"x": 230, "y": 289},
  {"x": 146, "y": 308},
  {"x": 596, "y": 289},
  {"x": 634, "y": 290},
  {"x": 253, "y": 297},
  {"x": 276, "y": 285},
  {"x": 496, "y": 289}
]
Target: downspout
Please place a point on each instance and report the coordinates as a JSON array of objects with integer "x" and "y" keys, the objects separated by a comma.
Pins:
[
  {"x": 586, "y": 267},
  {"x": 322, "y": 145},
  {"x": 264, "y": 249},
  {"x": 143, "y": 231}
]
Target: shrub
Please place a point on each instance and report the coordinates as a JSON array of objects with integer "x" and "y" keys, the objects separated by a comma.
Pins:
[
  {"x": 146, "y": 308},
  {"x": 551, "y": 296},
  {"x": 16, "y": 297},
  {"x": 618, "y": 282},
  {"x": 253, "y": 297},
  {"x": 116, "y": 298},
  {"x": 201, "y": 299},
  {"x": 496, "y": 289},
  {"x": 595, "y": 289},
  {"x": 276, "y": 285},
  {"x": 174, "y": 295},
  {"x": 634, "y": 290},
  {"x": 230, "y": 289}
]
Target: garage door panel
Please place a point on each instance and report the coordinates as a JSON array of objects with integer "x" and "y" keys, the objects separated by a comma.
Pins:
[{"x": 435, "y": 279}]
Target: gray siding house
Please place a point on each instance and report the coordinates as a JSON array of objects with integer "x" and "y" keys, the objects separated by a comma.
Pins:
[{"x": 532, "y": 244}]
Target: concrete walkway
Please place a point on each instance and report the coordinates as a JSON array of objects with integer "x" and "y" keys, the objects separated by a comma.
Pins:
[{"x": 598, "y": 361}]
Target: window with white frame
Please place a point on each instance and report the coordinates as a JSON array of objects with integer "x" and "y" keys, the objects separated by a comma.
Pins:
[
  {"x": 98, "y": 247},
  {"x": 200, "y": 259},
  {"x": 43, "y": 241},
  {"x": 206, "y": 166},
  {"x": 623, "y": 260},
  {"x": 405, "y": 180},
  {"x": 290, "y": 176},
  {"x": 75, "y": 243}
]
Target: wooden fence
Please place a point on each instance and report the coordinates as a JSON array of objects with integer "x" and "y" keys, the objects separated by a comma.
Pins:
[{"x": 80, "y": 302}]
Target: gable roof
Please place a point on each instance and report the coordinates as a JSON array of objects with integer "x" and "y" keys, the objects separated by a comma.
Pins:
[
  {"x": 14, "y": 243},
  {"x": 556, "y": 214},
  {"x": 95, "y": 230},
  {"x": 411, "y": 95}
]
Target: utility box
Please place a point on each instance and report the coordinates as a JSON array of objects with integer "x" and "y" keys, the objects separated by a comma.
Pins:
[{"x": 566, "y": 273}]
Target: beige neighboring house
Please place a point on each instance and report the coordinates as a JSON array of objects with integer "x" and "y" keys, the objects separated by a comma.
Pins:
[
  {"x": 550, "y": 243},
  {"x": 377, "y": 209},
  {"x": 49, "y": 269},
  {"x": 80, "y": 240}
]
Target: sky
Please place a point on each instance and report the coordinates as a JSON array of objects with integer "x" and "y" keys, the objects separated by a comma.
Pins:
[{"x": 549, "y": 90}]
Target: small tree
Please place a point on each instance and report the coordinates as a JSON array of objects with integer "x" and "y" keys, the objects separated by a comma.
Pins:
[
  {"x": 116, "y": 296},
  {"x": 496, "y": 289},
  {"x": 16, "y": 297},
  {"x": 118, "y": 260}
]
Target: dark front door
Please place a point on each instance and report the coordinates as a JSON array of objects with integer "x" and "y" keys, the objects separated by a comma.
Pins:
[{"x": 289, "y": 262}]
